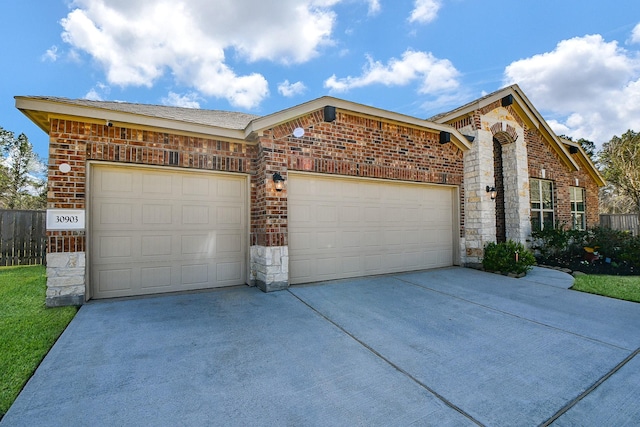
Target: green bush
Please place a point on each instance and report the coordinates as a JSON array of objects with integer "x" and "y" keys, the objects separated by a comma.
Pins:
[
  {"x": 502, "y": 257},
  {"x": 618, "y": 252}
]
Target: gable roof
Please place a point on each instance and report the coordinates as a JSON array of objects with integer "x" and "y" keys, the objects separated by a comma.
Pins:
[
  {"x": 226, "y": 123},
  {"x": 238, "y": 126},
  {"x": 271, "y": 120},
  {"x": 525, "y": 109}
]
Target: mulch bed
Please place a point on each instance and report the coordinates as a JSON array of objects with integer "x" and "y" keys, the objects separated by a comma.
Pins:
[{"x": 600, "y": 266}]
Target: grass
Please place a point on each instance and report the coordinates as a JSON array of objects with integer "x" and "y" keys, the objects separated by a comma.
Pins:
[
  {"x": 620, "y": 287},
  {"x": 27, "y": 328}
]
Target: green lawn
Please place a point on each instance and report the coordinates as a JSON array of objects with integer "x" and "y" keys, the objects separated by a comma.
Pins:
[
  {"x": 621, "y": 287},
  {"x": 27, "y": 328}
]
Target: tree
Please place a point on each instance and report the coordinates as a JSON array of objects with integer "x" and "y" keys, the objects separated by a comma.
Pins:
[
  {"x": 21, "y": 182},
  {"x": 620, "y": 159},
  {"x": 589, "y": 147}
]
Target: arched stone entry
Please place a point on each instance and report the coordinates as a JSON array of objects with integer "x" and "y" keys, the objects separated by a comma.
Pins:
[{"x": 508, "y": 183}]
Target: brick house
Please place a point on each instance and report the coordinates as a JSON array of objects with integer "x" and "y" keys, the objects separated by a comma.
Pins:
[{"x": 150, "y": 199}]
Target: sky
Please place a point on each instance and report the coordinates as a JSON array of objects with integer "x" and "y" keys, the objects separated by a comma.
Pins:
[{"x": 578, "y": 61}]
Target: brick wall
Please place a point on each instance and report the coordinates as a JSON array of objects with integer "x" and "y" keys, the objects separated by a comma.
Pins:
[
  {"x": 358, "y": 146},
  {"x": 541, "y": 156},
  {"x": 76, "y": 142}
]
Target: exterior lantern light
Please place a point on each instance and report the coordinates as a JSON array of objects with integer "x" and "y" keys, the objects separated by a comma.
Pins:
[
  {"x": 492, "y": 191},
  {"x": 278, "y": 181}
]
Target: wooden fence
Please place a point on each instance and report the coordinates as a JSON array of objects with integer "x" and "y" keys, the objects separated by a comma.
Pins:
[
  {"x": 23, "y": 239},
  {"x": 624, "y": 222}
]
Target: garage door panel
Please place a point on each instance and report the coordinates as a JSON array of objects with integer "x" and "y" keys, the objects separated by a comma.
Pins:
[
  {"x": 228, "y": 215},
  {"x": 155, "y": 245},
  {"x": 156, "y": 183},
  {"x": 115, "y": 213},
  {"x": 193, "y": 274},
  {"x": 228, "y": 272},
  {"x": 382, "y": 227},
  {"x": 325, "y": 213},
  {"x": 195, "y": 186},
  {"x": 228, "y": 244},
  {"x": 198, "y": 244},
  {"x": 155, "y": 277},
  {"x": 115, "y": 247},
  {"x": 117, "y": 182},
  {"x": 198, "y": 215},
  {"x": 175, "y": 234},
  {"x": 114, "y": 280},
  {"x": 351, "y": 239},
  {"x": 228, "y": 189},
  {"x": 157, "y": 214}
]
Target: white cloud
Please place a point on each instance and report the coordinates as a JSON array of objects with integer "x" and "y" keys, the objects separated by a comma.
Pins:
[
  {"x": 93, "y": 95},
  {"x": 635, "y": 34},
  {"x": 51, "y": 54},
  {"x": 374, "y": 6},
  {"x": 425, "y": 11},
  {"x": 291, "y": 89},
  {"x": 588, "y": 87},
  {"x": 188, "y": 100},
  {"x": 434, "y": 75},
  {"x": 137, "y": 42},
  {"x": 98, "y": 92}
]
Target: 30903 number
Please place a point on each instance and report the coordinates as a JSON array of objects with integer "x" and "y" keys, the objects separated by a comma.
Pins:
[{"x": 67, "y": 219}]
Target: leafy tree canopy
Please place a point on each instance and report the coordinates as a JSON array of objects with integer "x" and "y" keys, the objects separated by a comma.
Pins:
[
  {"x": 620, "y": 161},
  {"x": 22, "y": 174}
]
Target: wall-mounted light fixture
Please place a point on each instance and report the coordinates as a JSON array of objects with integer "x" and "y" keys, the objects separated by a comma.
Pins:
[
  {"x": 278, "y": 181},
  {"x": 492, "y": 191},
  {"x": 445, "y": 137}
]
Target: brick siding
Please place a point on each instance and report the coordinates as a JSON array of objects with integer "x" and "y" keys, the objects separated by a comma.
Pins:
[{"x": 541, "y": 156}]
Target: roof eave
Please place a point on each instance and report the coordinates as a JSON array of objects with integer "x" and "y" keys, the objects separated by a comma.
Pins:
[
  {"x": 255, "y": 127},
  {"x": 40, "y": 111},
  {"x": 591, "y": 168}
]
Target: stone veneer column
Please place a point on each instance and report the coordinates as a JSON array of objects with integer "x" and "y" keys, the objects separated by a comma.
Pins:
[
  {"x": 480, "y": 211},
  {"x": 270, "y": 267},
  {"x": 65, "y": 279},
  {"x": 516, "y": 189}
]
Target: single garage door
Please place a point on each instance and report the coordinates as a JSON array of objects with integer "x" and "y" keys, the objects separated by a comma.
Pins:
[
  {"x": 157, "y": 230},
  {"x": 341, "y": 227}
]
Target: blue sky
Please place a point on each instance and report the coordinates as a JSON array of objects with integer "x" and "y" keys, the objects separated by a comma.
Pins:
[{"x": 577, "y": 60}]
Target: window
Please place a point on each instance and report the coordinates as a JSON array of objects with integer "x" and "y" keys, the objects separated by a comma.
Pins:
[
  {"x": 541, "y": 195},
  {"x": 577, "y": 208}
]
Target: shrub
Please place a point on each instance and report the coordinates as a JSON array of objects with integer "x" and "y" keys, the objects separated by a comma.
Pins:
[
  {"x": 507, "y": 257},
  {"x": 596, "y": 250}
]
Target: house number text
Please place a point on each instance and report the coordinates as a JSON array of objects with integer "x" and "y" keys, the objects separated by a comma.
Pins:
[{"x": 65, "y": 219}]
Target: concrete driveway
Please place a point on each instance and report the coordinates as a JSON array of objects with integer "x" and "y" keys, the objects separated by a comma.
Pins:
[{"x": 443, "y": 347}]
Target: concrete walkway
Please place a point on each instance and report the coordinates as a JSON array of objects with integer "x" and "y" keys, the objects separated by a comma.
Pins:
[
  {"x": 442, "y": 347},
  {"x": 550, "y": 277}
]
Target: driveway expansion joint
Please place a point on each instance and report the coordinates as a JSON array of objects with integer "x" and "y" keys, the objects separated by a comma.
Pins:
[
  {"x": 591, "y": 389},
  {"x": 390, "y": 363}
]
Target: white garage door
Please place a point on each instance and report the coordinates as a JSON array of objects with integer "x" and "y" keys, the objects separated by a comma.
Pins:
[
  {"x": 340, "y": 227},
  {"x": 157, "y": 230}
]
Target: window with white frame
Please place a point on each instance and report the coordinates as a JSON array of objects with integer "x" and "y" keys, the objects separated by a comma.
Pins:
[
  {"x": 577, "y": 208},
  {"x": 541, "y": 195}
]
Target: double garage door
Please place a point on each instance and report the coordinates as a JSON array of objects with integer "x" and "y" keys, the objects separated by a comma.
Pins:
[
  {"x": 158, "y": 230},
  {"x": 341, "y": 227}
]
